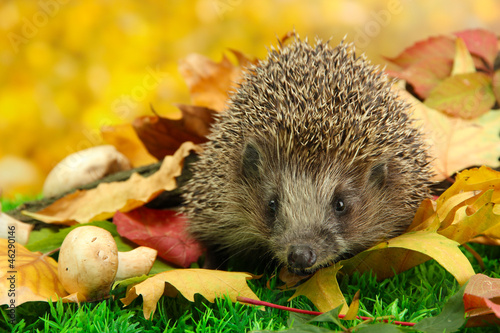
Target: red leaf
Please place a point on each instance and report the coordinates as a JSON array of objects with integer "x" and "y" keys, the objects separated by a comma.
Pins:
[
  {"x": 163, "y": 230},
  {"x": 482, "y": 43},
  {"x": 433, "y": 47},
  {"x": 482, "y": 300}
]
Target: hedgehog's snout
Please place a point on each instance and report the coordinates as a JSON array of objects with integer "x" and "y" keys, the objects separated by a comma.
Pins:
[{"x": 301, "y": 257}]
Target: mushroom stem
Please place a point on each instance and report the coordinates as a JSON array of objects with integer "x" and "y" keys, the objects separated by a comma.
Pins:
[{"x": 135, "y": 263}]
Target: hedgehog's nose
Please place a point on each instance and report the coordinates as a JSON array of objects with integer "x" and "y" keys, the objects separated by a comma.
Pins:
[{"x": 301, "y": 256}]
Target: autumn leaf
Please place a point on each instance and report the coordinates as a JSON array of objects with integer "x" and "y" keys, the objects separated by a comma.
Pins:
[
  {"x": 425, "y": 75},
  {"x": 102, "y": 202},
  {"x": 163, "y": 230},
  {"x": 163, "y": 136},
  {"x": 126, "y": 141},
  {"x": 482, "y": 43},
  {"x": 323, "y": 290},
  {"x": 408, "y": 250},
  {"x": 466, "y": 96},
  {"x": 209, "y": 82},
  {"x": 20, "y": 278},
  {"x": 431, "y": 48},
  {"x": 208, "y": 283},
  {"x": 482, "y": 301},
  {"x": 456, "y": 144},
  {"x": 463, "y": 62}
]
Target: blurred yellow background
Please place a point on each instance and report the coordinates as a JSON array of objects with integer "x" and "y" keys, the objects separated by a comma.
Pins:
[{"x": 69, "y": 67}]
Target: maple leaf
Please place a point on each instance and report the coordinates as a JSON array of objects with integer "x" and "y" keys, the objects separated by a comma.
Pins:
[
  {"x": 26, "y": 266},
  {"x": 102, "y": 202},
  {"x": 208, "y": 283},
  {"x": 163, "y": 230},
  {"x": 126, "y": 141},
  {"x": 454, "y": 143},
  {"x": 163, "y": 136}
]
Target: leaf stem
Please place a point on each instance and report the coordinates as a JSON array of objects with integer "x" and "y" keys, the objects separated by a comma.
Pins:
[{"x": 315, "y": 313}]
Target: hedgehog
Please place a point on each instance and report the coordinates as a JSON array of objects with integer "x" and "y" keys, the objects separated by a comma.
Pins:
[{"x": 314, "y": 160}]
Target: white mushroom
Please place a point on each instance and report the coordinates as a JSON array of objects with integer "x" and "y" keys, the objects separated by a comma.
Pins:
[
  {"x": 89, "y": 261},
  {"x": 83, "y": 167}
]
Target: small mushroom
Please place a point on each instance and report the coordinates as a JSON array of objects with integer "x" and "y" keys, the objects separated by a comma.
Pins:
[{"x": 89, "y": 262}]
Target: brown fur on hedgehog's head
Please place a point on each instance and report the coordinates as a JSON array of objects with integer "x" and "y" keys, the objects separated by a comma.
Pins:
[{"x": 314, "y": 160}]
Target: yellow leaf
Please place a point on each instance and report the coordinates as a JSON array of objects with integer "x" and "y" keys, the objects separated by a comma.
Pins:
[
  {"x": 102, "y": 202},
  {"x": 209, "y": 82},
  {"x": 323, "y": 290},
  {"x": 456, "y": 144},
  {"x": 33, "y": 276},
  {"x": 463, "y": 62},
  {"x": 126, "y": 141},
  {"x": 208, "y": 283},
  {"x": 353, "y": 308},
  {"x": 397, "y": 255}
]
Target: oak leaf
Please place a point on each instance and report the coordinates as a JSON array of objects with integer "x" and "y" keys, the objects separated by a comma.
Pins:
[
  {"x": 208, "y": 283},
  {"x": 163, "y": 230},
  {"x": 102, "y": 202},
  {"x": 454, "y": 143},
  {"x": 32, "y": 276}
]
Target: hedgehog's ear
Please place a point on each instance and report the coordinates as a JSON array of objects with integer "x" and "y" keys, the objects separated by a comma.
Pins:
[
  {"x": 251, "y": 161},
  {"x": 378, "y": 175}
]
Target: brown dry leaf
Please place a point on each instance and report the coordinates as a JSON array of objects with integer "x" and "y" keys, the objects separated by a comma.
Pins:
[
  {"x": 126, "y": 141},
  {"x": 162, "y": 136},
  {"x": 456, "y": 144},
  {"x": 323, "y": 290},
  {"x": 208, "y": 283},
  {"x": 209, "y": 82},
  {"x": 102, "y": 202},
  {"x": 482, "y": 301},
  {"x": 34, "y": 275}
]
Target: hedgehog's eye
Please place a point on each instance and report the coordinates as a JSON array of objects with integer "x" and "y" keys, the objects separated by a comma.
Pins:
[
  {"x": 273, "y": 206},
  {"x": 339, "y": 206}
]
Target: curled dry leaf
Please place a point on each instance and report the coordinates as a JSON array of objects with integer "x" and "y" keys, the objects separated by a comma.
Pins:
[
  {"x": 102, "y": 202},
  {"x": 208, "y": 283},
  {"x": 27, "y": 265},
  {"x": 163, "y": 136}
]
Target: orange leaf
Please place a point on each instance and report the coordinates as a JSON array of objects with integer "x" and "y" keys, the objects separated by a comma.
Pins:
[
  {"x": 102, "y": 202},
  {"x": 208, "y": 283},
  {"x": 481, "y": 300},
  {"x": 32, "y": 276},
  {"x": 209, "y": 82},
  {"x": 126, "y": 141}
]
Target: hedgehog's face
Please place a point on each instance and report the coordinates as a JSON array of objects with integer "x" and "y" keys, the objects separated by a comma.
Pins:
[{"x": 315, "y": 218}]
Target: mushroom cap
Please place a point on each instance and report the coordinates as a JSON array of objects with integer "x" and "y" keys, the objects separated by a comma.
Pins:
[{"x": 88, "y": 262}]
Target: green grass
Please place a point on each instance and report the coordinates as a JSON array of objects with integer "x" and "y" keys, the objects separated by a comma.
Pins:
[{"x": 411, "y": 296}]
